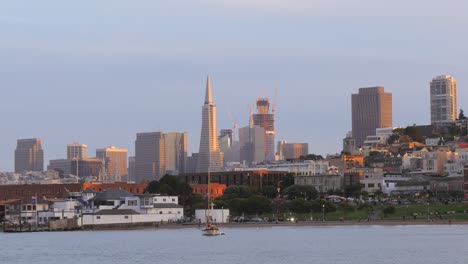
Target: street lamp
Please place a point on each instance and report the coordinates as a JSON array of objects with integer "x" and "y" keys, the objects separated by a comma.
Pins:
[
  {"x": 428, "y": 217},
  {"x": 323, "y": 213},
  {"x": 222, "y": 214}
]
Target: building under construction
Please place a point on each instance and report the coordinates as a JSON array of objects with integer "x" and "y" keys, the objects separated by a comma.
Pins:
[{"x": 266, "y": 119}]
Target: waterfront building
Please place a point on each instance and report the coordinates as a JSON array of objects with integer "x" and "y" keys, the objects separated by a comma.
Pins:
[
  {"x": 77, "y": 151},
  {"x": 266, "y": 119},
  {"x": 29, "y": 155},
  {"x": 256, "y": 179},
  {"x": 116, "y": 206},
  {"x": 176, "y": 148},
  {"x": 322, "y": 182},
  {"x": 443, "y": 90},
  {"x": 371, "y": 109},
  {"x": 210, "y": 158},
  {"x": 150, "y": 156},
  {"x": 115, "y": 161},
  {"x": 23, "y": 191},
  {"x": 305, "y": 167},
  {"x": 217, "y": 189}
]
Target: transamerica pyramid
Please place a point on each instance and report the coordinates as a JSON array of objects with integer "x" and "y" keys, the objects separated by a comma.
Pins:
[{"x": 210, "y": 158}]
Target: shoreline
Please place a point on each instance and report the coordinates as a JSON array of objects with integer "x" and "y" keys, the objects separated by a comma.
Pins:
[
  {"x": 299, "y": 224},
  {"x": 349, "y": 223}
]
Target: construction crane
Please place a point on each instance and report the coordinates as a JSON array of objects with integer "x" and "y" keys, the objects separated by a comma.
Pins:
[
  {"x": 273, "y": 108},
  {"x": 234, "y": 126}
]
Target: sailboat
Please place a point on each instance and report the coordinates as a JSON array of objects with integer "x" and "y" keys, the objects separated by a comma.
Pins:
[{"x": 210, "y": 229}]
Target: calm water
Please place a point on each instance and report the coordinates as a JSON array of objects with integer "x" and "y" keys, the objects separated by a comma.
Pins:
[{"x": 360, "y": 245}]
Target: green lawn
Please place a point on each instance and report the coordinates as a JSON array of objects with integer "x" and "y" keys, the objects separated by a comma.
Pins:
[{"x": 436, "y": 211}]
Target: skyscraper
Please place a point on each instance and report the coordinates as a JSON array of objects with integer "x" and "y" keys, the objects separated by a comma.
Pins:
[
  {"x": 29, "y": 155},
  {"x": 266, "y": 120},
  {"x": 76, "y": 150},
  {"x": 371, "y": 108},
  {"x": 115, "y": 160},
  {"x": 251, "y": 141},
  {"x": 288, "y": 151},
  {"x": 176, "y": 148},
  {"x": 443, "y": 99},
  {"x": 149, "y": 156},
  {"x": 210, "y": 158}
]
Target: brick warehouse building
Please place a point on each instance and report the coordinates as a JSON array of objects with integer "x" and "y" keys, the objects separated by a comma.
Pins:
[
  {"x": 24, "y": 191},
  {"x": 255, "y": 179}
]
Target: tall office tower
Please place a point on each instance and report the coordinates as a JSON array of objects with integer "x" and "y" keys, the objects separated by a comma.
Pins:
[
  {"x": 210, "y": 158},
  {"x": 371, "y": 109},
  {"x": 176, "y": 148},
  {"x": 251, "y": 141},
  {"x": 29, "y": 155},
  {"x": 443, "y": 99},
  {"x": 225, "y": 140},
  {"x": 149, "y": 156},
  {"x": 292, "y": 150},
  {"x": 115, "y": 161},
  {"x": 266, "y": 120},
  {"x": 131, "y": 169},
  {"x": 76, "y": 150},
  {"x": 226, "y": 133}
]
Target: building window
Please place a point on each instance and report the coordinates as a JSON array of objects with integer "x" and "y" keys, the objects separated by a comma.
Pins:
[
  {"x": 126, "y": 217},
  {"x": 173, "y": 199},
  {"x": 98, "y": 217},
  {"x": 160, "y": 212},
  {"x": 164, "y": 199}
]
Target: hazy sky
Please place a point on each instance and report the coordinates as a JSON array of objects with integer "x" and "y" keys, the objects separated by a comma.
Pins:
[{"x": 98, "y": 72}]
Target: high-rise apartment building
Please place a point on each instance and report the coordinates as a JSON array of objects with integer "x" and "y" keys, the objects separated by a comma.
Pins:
[
  {"x": 131, "y": 169},
  {"x": 443, "y": 99},
  {"x": 371, "y": 109},
  {"x": 251, "y": 141},
  {"x": 266, "y": 119},
  {"x": 176, "y": 148},
  {"x": 29, "y": 155},
  {"x": 210, "y": 158},
  {"x": 115, "y": 161},
  {"x": 149, "y": 156},
  {"x": 87, "y": 168},
  {"x": 77, "y": 150}
]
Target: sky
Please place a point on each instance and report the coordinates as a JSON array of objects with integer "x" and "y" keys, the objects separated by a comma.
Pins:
[{"x": 99, "y": 72}]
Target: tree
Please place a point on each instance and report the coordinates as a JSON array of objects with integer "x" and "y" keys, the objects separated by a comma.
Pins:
[
  {"x": 172, "y": 185},
  {"x": 236, "y": 191},
  {"x": 256, "y": 204},
  {"x": 270, "y": 191},
  {"x": 388, "y": 210},
  {"x": 414, "y": 133},
  {"x": 461, "y": 116},
  {"x": 319, "y": 205},
  {"x": 346, "y": 207},
  {"x": 299, "y": 206},
  {"x": 353, "y": 190},
  {"x": 287, "y": 181},
  {"x": 306, "y": 192}
]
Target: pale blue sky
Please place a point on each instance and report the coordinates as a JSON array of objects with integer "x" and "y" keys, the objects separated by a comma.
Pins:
[{"x": 98, "y": 72}]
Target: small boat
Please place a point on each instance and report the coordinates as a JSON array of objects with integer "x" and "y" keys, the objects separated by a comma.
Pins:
[{"x": 210, "y": 229}]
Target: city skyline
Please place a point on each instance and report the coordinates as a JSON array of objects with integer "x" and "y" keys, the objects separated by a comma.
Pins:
[{"x": 131, "y": 73}]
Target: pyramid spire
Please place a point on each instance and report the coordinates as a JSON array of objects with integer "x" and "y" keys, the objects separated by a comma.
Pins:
[{"x": 208, "y": 95}]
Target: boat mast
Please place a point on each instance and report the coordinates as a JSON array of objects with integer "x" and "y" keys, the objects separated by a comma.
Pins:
[{"x": 208, "y": 221}]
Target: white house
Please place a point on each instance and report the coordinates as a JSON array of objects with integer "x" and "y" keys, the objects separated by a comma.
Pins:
[{"x": 116, "y": 206}]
